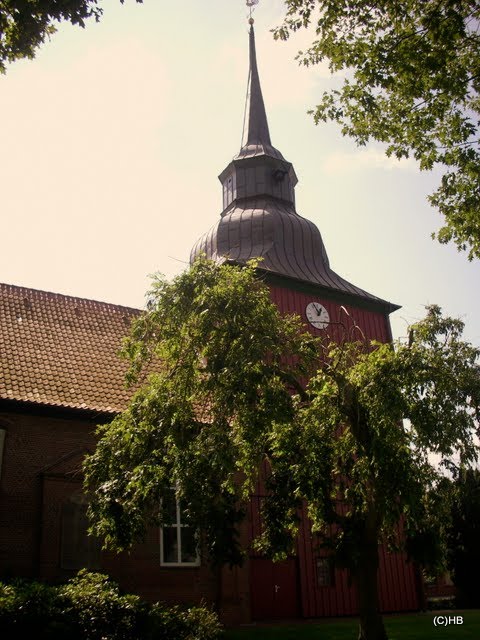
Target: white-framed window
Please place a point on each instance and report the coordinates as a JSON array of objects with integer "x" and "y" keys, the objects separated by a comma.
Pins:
[
  {"x": 325, "y": 573},
  {"x": 178, "y": 541}
]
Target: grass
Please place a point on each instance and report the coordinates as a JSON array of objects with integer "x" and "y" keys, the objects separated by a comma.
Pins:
[{"x": 418, "y": 626}]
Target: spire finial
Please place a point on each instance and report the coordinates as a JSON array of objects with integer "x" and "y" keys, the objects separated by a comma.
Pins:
[
  {"x": 257, "y": 127},
  {"x": 251, "y": 6}
]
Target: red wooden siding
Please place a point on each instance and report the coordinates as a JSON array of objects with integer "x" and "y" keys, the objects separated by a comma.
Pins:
[
  {"x": 275, "y": 595},
  {"x": 374, "y": 325},
  {"x": 398, "y": 582},
  {"x": 397, "y": 577}
]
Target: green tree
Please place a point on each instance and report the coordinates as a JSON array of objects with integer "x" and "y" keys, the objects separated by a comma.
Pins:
[
  {"x": 25, "y": 24},
  {"x": 217, "y": 342},
  {"x": 463, "y": 535},
  {"x": 396, "y": 407},
  {"x": 228, "y": 394},
  {"x": 411, "y": 78}
]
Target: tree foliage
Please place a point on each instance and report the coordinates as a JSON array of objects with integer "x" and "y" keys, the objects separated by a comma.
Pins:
[
  {"x": 411, "y": 80},
  {"x": 26, "y": 24},
  {"x": 396, "y": 407},
  {"x": 229, "y": 393},
  {"x": 205, "y": 415}
]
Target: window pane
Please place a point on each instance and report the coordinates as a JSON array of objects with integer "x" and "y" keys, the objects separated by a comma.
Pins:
[
  {"x": 188, "y": 544},
  {"x": 78, "y": 549},
  {"x": 324, "y": 572},
  {"x": 170, "y": 546}
]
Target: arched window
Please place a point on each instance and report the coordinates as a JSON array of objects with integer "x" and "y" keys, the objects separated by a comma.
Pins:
[
  {"x": 78, "y": 549},
  {"x": 3, "y": 433}
]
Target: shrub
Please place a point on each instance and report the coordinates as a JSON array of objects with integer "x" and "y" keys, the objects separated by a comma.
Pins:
[
  {"x": 166, "y": 622},
  {"x": 32, "y": 609},
  {"x": 441, "y": 603},
  {"x": 203, "y": 624},
  {"x": 91, "y": 607},
  {"x": 99, "y": 610},
  {"x": 196, "y": 623}
]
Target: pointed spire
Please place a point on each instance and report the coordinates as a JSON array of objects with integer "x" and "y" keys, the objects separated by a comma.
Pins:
[
  {"x": 257, "y": 129},
  {"x": 259, "y": 220},
  {"x": 256, "y": 136}
]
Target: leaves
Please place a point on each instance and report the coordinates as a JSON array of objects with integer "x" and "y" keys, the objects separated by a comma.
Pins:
[
  {"x": 411, "y": 81},
  {"x": 220, "y": 370},
  {"x": 201, "y": 422},
  {"x": 25, "y": 25},
  {"x": 360, "y": 449}
]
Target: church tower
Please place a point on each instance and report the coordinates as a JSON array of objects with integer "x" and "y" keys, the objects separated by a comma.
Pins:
[{"x": 259, "y": 220}]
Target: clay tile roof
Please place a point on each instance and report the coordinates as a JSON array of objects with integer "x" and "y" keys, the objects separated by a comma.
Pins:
[{"x": 62, "y": 351}]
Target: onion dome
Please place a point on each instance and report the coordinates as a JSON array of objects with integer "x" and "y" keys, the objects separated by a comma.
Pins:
[{"x": 259, "y": 219}]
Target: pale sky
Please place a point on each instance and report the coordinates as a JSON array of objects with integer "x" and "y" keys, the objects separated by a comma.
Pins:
[{"x": 113, "y": 137}]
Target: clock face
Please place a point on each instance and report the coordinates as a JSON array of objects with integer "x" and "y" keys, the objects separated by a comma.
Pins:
[{"x": 317, "y": 315}]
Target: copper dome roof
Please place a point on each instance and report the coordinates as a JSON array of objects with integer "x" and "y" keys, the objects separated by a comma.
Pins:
[
  {"x": 259, "y": 219},
  {"x": 288, "y": 244}
]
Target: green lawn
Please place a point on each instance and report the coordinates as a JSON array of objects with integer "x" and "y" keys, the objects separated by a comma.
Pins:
[{"x": 406, "y": 627}]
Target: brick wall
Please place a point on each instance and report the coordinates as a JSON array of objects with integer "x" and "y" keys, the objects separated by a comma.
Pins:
[{"x": 41, "y": 470}]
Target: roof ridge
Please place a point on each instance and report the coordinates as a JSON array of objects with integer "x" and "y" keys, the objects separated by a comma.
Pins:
[{"x": 66, "y": 297}]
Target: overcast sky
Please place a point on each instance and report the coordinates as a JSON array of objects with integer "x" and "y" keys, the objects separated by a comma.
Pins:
[{"x": 113, "y": 137}]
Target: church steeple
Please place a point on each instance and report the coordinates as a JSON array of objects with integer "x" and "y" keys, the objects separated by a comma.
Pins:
[
  {"x": 258, "y": 170},
  {"x": 259, "y": 219},
  {"x": 257, "y": 132}
]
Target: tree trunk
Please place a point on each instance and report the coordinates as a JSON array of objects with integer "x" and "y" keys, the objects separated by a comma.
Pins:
[{"x": 371, "y": 622}]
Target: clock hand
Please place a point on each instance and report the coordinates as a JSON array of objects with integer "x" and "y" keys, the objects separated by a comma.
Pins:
[{"x": 319, "y": 313}]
